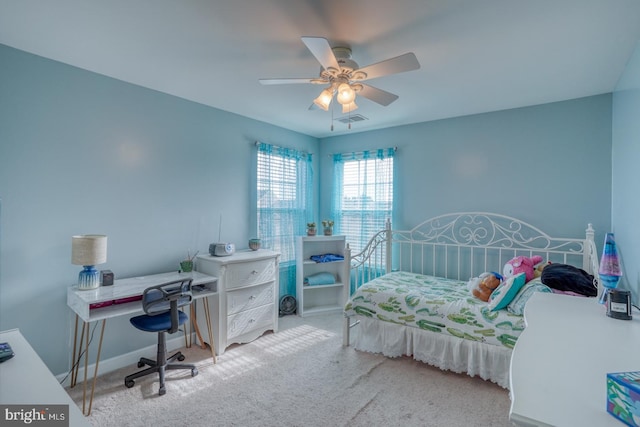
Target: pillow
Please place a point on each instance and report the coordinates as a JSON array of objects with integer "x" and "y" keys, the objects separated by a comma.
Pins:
[
  {"x": 516, "y": 306},
  {"x": 504, "y": 293}
]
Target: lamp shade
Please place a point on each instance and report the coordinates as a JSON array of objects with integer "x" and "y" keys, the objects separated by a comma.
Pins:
[
  {"x": 347, "y": 108},
  {"x": 346, "y": 95},
  {"x": 89, "y": 249},
  {"x": 324, "y": 99}
]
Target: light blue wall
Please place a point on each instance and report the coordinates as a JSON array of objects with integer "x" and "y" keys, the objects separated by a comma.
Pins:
[
  {"x": 625, "y": 208},
  {"x": 549, "y": 165},
  {"x": 83, "y": 153}
]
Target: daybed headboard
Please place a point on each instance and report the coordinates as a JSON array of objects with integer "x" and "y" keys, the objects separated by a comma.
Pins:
[{"x": 464, "y": 245}]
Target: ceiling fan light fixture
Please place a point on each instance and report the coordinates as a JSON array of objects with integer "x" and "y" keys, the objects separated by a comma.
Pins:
[
  {"x": 346, "y": 95},
  {"x": 347, "y": 108},
  {"x": 324, "y": 99}
]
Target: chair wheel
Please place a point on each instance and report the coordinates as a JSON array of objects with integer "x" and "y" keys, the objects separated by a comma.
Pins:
[
  {"x": 181, "y": 357},
  {"x": 129, "y": 383},
  {"x": 162, "y": 391},
  {"x": 194, "y": 372},
  {"x": 140, "y": 364}
]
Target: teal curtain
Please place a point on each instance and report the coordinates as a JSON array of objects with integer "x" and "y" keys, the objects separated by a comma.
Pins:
[
  {"x": 284, "y": 204},
  {"x": 362, "y": 194}
]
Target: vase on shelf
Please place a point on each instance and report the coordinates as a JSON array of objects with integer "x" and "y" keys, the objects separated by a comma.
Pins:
[
  {"x": 255, "y": 244},
  {"x": 327, "y": 225},
  {"x": 311, "y": 229}
]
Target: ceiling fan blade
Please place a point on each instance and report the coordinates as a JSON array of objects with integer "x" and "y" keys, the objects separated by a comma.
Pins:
[
  {"x": 285, "y": 81},
  {"x": 320, "y": 48},
  {"x": 399, "y": 64},
  {"x": 377, "y": 95}
]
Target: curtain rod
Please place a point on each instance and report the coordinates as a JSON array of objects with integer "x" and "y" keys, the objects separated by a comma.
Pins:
[
  {"x": 360, "y": 153},
  {"x": 283, "y": 148}
]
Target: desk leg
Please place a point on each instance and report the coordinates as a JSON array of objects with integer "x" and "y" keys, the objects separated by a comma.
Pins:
[
  {"x": 74, "y": 372},
  {"x": 207, "y": 316},
  {"x": 77, "y": 357},
  {"x": 95, "y": 372},
  {"x": 194, "y": 322},
  {"x": 85, "y": 329}
]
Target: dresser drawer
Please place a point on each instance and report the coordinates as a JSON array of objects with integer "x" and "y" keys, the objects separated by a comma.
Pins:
[
  {"x": 246, "y": 321},
  {"x": 248, "y": 298},
  {"x": 250, "y": 273}
]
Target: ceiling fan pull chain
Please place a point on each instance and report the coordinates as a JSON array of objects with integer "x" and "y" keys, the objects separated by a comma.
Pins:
[{"x": 332, "y": 104}]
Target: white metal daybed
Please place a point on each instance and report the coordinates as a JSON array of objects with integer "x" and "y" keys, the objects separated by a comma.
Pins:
[{"x": 434, "y": 261}]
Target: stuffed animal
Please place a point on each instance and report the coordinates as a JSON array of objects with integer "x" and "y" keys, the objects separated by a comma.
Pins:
[
  {"x": 521, "y": 264},
  {"x": 538, "y": 271},
  {"x": 482, "y": 286}
]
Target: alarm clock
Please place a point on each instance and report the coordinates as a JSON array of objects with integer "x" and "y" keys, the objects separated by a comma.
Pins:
[
  {"x": 619, "y": 304},
  {"x": 107, "y": 277},
  {"x": 222, "y": 249}
]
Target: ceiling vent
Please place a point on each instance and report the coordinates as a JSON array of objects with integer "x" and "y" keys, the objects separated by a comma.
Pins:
[{"x": 352, "y": 118}]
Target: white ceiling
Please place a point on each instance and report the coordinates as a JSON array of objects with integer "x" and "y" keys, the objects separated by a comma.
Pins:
[{"x": 476, "y": 56}]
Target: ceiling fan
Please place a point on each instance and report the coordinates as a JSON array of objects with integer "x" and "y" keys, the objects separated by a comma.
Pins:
[{"x": 343, "y": 76}]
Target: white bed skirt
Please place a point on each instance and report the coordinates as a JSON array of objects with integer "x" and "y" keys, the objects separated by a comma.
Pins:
[{"x": 489, "y": 362}]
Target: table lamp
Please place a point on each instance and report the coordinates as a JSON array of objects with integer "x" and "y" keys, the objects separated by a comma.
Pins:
[
  {"x": 609, "y": 270},
  {"x": 88, "y": 250}
]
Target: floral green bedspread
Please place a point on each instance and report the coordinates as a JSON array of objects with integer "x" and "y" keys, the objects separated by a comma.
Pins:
[{"x": 435, "y": 304}]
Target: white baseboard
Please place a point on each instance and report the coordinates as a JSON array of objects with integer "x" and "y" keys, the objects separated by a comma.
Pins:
[{"x": 121, "y": 361}]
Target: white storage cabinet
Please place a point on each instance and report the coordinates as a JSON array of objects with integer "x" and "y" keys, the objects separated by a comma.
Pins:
[
  {"x": 319, "y": 299},
  {"x": 247, "y": 302}
]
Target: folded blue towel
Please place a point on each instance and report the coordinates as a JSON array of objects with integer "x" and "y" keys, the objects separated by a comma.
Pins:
[
  {"x": 320, "y": 279},
  {"x": 327, "y": 258}
]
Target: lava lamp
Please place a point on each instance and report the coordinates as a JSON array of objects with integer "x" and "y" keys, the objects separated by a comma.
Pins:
[{"x": 609, "y": 270}]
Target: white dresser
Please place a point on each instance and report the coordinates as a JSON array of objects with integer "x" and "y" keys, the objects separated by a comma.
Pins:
[
  {"x": 560, "y": 362},
  {"x": 247, "y": 302}
]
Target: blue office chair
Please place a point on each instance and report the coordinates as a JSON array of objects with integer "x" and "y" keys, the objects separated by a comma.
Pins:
[{"x": 161, "y": 304}]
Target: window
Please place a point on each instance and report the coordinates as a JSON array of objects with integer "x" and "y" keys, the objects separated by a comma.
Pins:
[
  {"x": 284, "y": 204},
  {"x": 363, "y": 194}
]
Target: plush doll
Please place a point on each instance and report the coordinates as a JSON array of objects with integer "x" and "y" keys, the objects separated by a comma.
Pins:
[
  {"x": 538, "y": 271},
  {"x": 482, "y": 286},
  {"x": 521, "y": 264}
]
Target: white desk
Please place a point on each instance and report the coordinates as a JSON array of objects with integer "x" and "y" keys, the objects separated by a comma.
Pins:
[
  {"x": 26, "y": 380},
  {"x": 106, "y": 302},
  {"x": 560, "y": 362}
]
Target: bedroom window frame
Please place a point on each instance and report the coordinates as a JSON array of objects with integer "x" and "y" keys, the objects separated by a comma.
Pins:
[
  {"x": 284, "y": 203},
  {"x": 363, "y": 194}
]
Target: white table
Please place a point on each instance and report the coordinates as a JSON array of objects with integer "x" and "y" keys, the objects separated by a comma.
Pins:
[
  {"x": 85, "y": 304},
  {"x": 560, "y": 362},
  {"x": 26, "y": 380}
]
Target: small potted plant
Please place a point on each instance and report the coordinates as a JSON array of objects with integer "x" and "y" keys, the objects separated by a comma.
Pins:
[
  {"x": 311, "y": 229},
  {"x": 186, "y": 266},
  {"x": 327, "y": 225}
]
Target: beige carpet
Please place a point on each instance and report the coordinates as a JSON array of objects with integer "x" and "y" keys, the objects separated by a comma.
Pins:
[{"x": 301, "y": 376}]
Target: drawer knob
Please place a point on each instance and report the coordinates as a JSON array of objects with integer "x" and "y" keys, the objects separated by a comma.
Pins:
[
  {"x": 252, "y": 297},
  {"x": 254, "y": 272}
]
